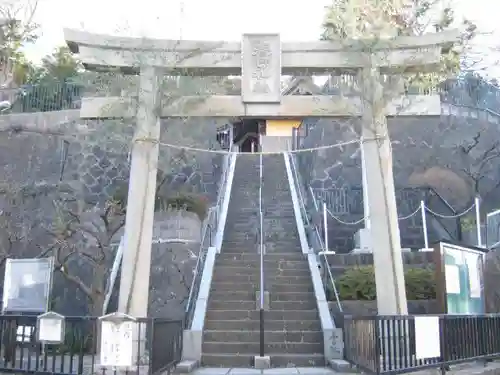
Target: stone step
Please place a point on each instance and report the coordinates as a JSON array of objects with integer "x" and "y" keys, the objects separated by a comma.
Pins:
[
  {"x": 269, "y": 336},
  {"x": 231, "y": 305},
  {"x": 247, "y": 360},
  {"x": 234, "y": 245},
  {"x": 232, "y": 287},
  {"x": 292, "y": 249},
  {"x": 269, "y": 347},
  {"x": 247, "y": 250},
  {"x": 280, "y": 315},
  {"x": 270, "y": 279},
  {"x": 246, "y": 218},
  {"x": 288, "y": 288},
  {"x": 292, "y": 296},
  {"x": 242, "y": 250},
  {"x": 241, "y": 238},
  {"x": 255, "y": 271},
  {"x": 269, "y": 325},
  {"x": 284, "y": 244},
  {"x": 290, "y": 305},
  {"x": 268, "y": 257},
  {"x": 217, "y": 295},
  {"x": 269, "y": 264},
  {"x": 236, "y": 237},
  {"x": 270, "y": 285}
]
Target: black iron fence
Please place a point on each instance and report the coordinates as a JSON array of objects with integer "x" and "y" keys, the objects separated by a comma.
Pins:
[
  {"x": 159, "y": 347},
  {"x": 388, "y": 344}
]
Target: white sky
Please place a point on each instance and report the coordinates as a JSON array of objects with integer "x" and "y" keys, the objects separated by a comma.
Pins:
[{"x": 216, "y": 19}]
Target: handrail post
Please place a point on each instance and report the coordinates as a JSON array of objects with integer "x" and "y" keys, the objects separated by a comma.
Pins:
[
  {"x": 424, "y": 223},
  {"x": 366, "y": 206},
  {"x": 325, "y": 225},
  {"x": 261, "y": 246},
  {"x": 478, "y": 221}
]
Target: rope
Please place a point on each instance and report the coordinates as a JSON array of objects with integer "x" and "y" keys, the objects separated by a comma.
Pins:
[
  {"x": 410, "y": 215},
  {"x": 345, "y": 222},
  {"x": 363, "y": 218},
  {"x": 451, "y": 216},
  {"x": 223, "y": 152}
]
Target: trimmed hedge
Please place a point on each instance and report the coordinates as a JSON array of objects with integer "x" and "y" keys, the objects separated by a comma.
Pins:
[{"x": 358, "y": 284}]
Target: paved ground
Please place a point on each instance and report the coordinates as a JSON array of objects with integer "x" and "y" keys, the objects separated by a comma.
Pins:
[
  {"x": 467, "y": 369},
  {"x": 273, "y": 371}
]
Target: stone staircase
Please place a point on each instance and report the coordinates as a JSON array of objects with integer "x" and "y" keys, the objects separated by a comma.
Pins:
[
  {"x": 231, "y": 333},
  {"x": 293, "y": 334},
  {"x": 288, "y": 279}
]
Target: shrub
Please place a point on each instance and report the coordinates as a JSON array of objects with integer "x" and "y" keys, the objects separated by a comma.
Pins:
[
  {"x": 179, "y": 200},
  {"x": 184, "y": 201},
  {"x": 358, "y": 283}
]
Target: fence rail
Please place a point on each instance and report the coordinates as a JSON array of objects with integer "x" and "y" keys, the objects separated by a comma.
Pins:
[
  {"x": 160, "y": 346},
  {"x": 420, "y": 208},
  {"x": 56, "y": 96},
  {"x": 397, "y": 345}
]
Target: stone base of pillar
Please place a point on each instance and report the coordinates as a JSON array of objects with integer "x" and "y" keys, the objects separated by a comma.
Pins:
[
  {"x": 426, "y": 249},
  {"x": 266, "y": 300},
  {"x": 136, "y": 370},
  {"x": 369, "y": 251},
  {"x": 262, "y": 363},
  {"x": 363, "y": 241}
]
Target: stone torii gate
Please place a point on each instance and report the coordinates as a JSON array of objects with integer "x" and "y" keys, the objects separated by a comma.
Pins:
[{"x": 260, "y": 59}]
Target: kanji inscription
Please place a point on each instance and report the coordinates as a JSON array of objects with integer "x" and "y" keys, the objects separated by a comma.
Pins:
[{"x": 261, "y": 69}]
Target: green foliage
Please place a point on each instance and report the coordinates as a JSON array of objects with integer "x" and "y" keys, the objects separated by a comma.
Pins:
[
  {"x": 468, "y": 223},
  {"x": 358, "y": 283},
  {"x": 51, "y": 86},
  {"x": 352, "y": 18},
  {"x": 183, "y": 201},
  {"x": 76, "y": 340},
  {"x": 177, "y": 200}
]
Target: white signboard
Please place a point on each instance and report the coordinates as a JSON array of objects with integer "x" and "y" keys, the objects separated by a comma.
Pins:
[
  {"x": 117, "y": 343},
  {"x": 50, "y": 327},
  {"x": 427, "y": 342},
  {"x": 27, "y": 284},
  {"x": 452, "y": 277},
  {"x": 50, "y": 330}
]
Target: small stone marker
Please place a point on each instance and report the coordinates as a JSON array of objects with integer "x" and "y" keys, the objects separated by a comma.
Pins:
[
  {"x": 50, "y": 328},
  {"x": 117, "y": 331}
]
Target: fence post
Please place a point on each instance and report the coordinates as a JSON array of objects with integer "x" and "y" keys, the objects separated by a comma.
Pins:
[
  {"x": 325, "y": 225},
  {"x": 478, "y": 221},
  {"x": 424, "y": 223}
]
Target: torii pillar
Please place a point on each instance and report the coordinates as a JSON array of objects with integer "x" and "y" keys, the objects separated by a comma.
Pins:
[{"x": 134, "y": 283}]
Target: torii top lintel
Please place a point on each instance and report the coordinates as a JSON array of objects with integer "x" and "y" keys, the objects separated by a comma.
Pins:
[{"x": 186, "y": 57}]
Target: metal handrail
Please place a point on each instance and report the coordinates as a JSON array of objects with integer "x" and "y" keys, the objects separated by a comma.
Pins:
[
  {"x": 261, "y": 248},
  {"x": 113, "y": 275},
  {"x": 324, "y": 251},
  {"x": 210, "y": 224},
  {"x": 206, "y": 233}
]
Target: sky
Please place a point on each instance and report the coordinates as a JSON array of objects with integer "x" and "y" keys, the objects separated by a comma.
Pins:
[{"x": 219, "y": 20}]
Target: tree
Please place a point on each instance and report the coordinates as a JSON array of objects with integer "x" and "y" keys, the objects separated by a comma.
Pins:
[
  {"x": 355, "y": 18},
  {"x": 17, "y": 235},
  {"x": 17, "y": 29},
  {"x": 61, "y": 65},
  {"x": 53, "y": 86},
  {"x": 82, "y": 244},
  {"x": 479, "y": 160}
]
